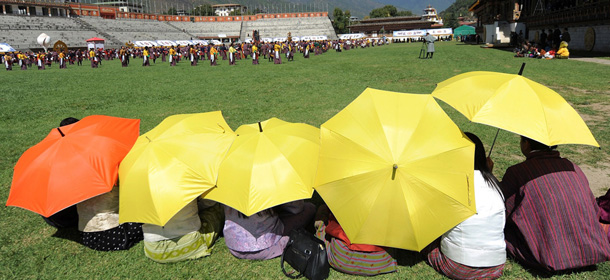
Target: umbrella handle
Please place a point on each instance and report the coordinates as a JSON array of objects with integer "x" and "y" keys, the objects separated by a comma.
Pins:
[
  {"x": 60, "y": 132},
  {"x": 394, "y": 171},
  {"x": 494, "y": 142},
  {"x": 260, "y": 128},
  {"x": 521, "y": 70}
]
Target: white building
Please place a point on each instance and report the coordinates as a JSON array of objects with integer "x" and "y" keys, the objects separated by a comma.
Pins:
[
  {"x": 431, "y": 15},
  {"x": 223, "y": 10}
]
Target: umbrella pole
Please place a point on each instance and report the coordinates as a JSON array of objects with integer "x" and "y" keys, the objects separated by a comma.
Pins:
[{"x": 494, "y": 142}]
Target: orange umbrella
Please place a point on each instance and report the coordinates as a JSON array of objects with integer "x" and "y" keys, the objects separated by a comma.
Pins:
[{"x": 72, "y": 164}]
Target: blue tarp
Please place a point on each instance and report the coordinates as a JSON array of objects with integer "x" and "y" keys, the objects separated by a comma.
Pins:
[{"x": 4, "y": 47}]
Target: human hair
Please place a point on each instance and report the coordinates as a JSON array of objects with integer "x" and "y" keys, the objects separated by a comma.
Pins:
[
  {"x": 535, "y": 145},
  {"x": 67, "y": 121},
  {"x": 480, "y": 163}
]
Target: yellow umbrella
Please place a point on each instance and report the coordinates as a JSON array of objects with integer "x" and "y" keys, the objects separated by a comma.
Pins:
[
  {"x": 270, "y": 163},
  {"x": 395, "y": 170},
  {"x": 516, "y": 104},
  {"x": 171, "y": 165}
]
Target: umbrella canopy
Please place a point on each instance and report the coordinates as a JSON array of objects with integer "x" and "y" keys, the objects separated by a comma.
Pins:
[
  {"x": 516, "y": 104},
  {"x": 270, "y": 163},
  {"x": 395, "y": 170},
  {"x": 72, "y": 164},
  {"x": 172, "y": 165}
]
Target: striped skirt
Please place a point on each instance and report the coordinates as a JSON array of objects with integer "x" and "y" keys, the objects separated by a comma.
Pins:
[
  {"x": 345, "y": 260},
  {"x": 455, "y": 270},
  {"x": 193, "y": 245}
]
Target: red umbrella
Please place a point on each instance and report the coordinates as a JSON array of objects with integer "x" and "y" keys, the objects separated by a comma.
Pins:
[{"x": 72, "y": 164}]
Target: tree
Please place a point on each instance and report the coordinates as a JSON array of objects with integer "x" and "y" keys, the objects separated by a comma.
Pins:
[
  {"x": 404, "y": 13},
  {"x": 204, "y": 10},
  {"x": 172, "y": 11},
  {"x": 341, "y": 20},
  {"x": 450, "y": 20},
  {"x": 235, "y": 13},
  {"x": 386, "y": 11}
]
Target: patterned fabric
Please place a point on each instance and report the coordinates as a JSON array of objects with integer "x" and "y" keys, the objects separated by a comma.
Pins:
[
  {"x": 455, "y": 270},
  {"x": 348, "y": 261},
  {"x": 552, "y": 216},
  {"x": 193, "y": 245},
  {"x": 122, "y": 237}
]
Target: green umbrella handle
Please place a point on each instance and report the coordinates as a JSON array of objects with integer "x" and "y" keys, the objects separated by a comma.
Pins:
[{"x": 394, "y": 171}]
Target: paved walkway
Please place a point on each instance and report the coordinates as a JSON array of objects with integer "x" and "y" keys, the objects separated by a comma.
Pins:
[{"x": 592, "y": 59}]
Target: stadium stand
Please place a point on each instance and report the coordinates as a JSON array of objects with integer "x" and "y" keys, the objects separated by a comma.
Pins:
[
  {"x": 21, "y": 31},
  {"x": 279, "y": 27}
]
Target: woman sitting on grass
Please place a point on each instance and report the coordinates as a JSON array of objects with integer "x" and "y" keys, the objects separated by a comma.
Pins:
[
  {"x": 344, "y": 256},
  {"x": 264, "y": 235},
  {"x": 98, "y": 222},
  {"x": 190, "y": 234},
  {"x": 475, "y": 248},
  {"x": 563, "y": 52}
]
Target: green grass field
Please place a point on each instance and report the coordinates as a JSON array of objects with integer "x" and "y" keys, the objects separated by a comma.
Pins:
[{"x": 306, "y": 90}]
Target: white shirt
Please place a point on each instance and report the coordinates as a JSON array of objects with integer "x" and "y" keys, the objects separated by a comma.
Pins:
[
  {"x": 184, "y": 222},
  {"x": 479, "y": 240},
  {"x": 99, "y": 213}
]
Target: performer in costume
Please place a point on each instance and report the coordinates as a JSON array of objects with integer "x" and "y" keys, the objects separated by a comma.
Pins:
[
  {"x": 146, "y": 57},
  {"x": 232, "y": 52},
  {"x": 172, "y": 58},
  {"x": 192, "y": 53},
  {"x": 62, "y": 60},
  {"x": 213, "y": 55},
  {"x": 93, "y": 58},
  {"x": 277, "y": 58},
  {"x": 40, "y": 61},
  {"x": 306, "y": 53},
  {"x": 123, "y": 56},
  {"x": 254, "y": 54},
  {"x": 8, "y": 62}
]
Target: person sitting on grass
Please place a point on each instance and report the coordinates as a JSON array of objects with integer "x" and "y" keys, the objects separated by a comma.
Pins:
[
  {"x": 475, "y": 248},
  {"x": 68, "y": 217},
  {"x": 98, "y": 223},
  {"x": 264, "y": 235},
  {"x": 563, "y": 52},
  {"x": 551, "y": 214},
  {"x": 190, "y": 234},
  {"x": 344, "y": 256}
]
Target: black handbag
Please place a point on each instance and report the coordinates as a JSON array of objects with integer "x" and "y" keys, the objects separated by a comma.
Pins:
[{"x": 307, "y": 256}]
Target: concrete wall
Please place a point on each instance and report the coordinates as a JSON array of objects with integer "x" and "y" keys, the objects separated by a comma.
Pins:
[{"x": 578, "y": 34}]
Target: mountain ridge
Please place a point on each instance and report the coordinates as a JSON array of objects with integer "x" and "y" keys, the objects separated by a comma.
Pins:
[{"x": 358, "y": 8}]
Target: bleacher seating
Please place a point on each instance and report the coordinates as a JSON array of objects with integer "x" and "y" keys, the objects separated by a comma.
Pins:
[
  {"x": 210, "y": 29},
  {"x": 133, "y": 30},
  {"x": 21, "y": 31},
  {"x": 279, "y": 27}
]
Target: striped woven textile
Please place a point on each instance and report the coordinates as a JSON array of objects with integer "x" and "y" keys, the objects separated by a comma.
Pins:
[
  {"x": 552, "y": 215},
  {"x": 345, "y": 260},
  {"x": 455, "y": 270}
]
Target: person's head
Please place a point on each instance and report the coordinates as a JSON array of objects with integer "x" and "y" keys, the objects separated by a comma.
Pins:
[
  {"x": 480, "y": 162},
  {"x": 529, "y": 145},
  {"x": 67, "y": 121}
]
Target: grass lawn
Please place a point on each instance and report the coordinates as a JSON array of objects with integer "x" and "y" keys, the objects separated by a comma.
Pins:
[{"x": 306, "y": 90}]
